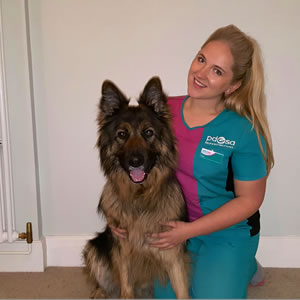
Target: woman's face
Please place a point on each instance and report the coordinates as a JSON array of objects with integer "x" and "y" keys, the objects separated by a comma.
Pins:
[{"x": 210, "y": 75}]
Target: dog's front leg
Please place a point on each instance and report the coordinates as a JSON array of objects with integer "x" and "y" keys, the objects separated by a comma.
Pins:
[
  {"x": 126, "y": 287},
  {"x": 179, "y": 279}
]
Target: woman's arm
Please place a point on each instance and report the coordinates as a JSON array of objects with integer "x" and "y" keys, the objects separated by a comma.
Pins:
[{"x": 249, "y": 197}]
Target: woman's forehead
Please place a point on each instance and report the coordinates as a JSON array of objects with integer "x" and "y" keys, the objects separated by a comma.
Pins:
[{"x": 217, "y": 53}]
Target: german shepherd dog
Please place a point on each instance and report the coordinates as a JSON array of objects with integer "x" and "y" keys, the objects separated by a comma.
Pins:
[{"x": 138, "y": 156}]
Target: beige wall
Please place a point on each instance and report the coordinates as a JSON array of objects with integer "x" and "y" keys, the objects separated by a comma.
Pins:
[{"x": 76, "y": 44}]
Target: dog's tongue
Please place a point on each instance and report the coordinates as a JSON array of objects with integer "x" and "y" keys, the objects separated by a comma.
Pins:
[{"x": 137, "y": 175}]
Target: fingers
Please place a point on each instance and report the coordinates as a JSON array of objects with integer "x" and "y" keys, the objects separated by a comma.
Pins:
[
  {"x": 118, "y": 232},
  {"x": 171, "y": 224},
  {"x": 161, "y": 240},
  {"x": 119, "y": 235},
  {"x": 160, "y": 235},
  {"x": 161, "y": 244},
  {"x": 164, "y": 240}
]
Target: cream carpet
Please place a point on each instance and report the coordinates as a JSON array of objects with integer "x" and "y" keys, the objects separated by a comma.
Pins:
[{"x": 71, "y": 283}]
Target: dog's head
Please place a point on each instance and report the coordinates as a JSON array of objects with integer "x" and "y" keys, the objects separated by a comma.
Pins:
[{"x": 135, "y": 139}]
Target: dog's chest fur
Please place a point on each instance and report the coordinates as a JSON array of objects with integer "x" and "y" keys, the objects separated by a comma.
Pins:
[{"x": 136, "y": 211}]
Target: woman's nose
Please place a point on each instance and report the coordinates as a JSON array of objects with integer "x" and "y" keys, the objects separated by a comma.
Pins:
[{"x": 202, "y": 71}]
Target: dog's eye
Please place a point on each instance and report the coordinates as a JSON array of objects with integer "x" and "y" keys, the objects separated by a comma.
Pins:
[
  {"x": 148, "y": 133},
  {"x": 122, "y": 134}
]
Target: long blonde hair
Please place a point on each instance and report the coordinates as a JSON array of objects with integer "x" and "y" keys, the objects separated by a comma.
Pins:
[{"x": 249, "y": 99}]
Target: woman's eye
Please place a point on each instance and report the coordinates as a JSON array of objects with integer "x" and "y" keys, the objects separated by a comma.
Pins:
[
  {"x": 122, "y": 134},
  {"x": 148, "y": 133},
  {"x": 218, "y": 72},
  {"x": 201, "y": 59}
]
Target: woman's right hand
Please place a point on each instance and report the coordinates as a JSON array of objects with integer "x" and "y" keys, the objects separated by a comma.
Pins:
[{"x": 118, "y": 232}]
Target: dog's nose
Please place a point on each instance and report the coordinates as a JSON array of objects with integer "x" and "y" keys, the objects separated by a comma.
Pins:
[{"x": 136, "y": 161}]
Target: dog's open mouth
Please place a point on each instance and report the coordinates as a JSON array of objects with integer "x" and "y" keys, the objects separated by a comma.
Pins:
[{"x": 137, "y": 175}]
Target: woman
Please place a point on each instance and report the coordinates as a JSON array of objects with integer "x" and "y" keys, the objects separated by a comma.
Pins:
[{"x": 225, "y": 156}]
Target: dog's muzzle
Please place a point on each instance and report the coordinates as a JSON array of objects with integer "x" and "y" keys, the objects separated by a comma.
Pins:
[{"x": 136, "y": 168}]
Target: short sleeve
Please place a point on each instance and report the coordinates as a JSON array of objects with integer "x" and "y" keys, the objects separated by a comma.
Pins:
[{"x": 248, "y": 162}]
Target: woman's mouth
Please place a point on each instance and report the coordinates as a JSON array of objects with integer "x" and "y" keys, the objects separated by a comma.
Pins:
[{"x": 199, "y": 84}]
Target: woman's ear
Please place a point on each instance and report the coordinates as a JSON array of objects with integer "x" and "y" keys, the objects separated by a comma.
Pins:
[{"x": 233, "y": 88}]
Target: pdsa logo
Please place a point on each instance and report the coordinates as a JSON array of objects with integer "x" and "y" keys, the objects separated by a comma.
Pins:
[{"x": 220, "y": 141}]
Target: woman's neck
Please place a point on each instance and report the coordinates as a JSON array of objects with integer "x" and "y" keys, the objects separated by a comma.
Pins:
[
  {"x": 200, "y": 112},
  {"x": 209, "y": 107}
]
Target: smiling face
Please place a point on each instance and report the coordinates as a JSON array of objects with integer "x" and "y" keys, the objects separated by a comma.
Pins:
[{"x": 210, "y": 75}]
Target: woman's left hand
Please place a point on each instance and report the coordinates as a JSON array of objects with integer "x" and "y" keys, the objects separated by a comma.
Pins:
[{"x": 169, "y": 239}]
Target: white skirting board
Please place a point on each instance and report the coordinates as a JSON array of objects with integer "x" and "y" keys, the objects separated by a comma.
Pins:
[
  {"x": 20, "y": 257},
  {"x": 66, "y": 251},
  {"x": 273, "y": 252}
]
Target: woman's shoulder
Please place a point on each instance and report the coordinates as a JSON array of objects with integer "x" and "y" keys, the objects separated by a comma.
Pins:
[
  {"x": 242, "y": 128},
  {"x": 175, "y": 103},
  {"x": 176, "y": 99},
  {"x": 241, "y": 122}
]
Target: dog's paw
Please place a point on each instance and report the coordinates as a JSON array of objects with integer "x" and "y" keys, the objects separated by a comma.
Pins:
[
  {"x": 127, "y": 295},
  {"x": 98, "y": 293}
]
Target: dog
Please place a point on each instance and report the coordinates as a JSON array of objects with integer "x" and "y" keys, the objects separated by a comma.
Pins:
[{"x": 138, "y": 155}]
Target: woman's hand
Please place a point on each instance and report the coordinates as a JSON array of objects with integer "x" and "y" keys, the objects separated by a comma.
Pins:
[
  {"x": 178, "y": 233},
  {"x": 118, "y": 232}
]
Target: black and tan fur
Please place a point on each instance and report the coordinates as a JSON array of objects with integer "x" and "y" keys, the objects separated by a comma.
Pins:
[{"x": 138, "y": 156}]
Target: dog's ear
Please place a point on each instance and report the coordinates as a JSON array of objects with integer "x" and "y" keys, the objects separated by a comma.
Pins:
[
  {"x": 112, "y": 98},
  {"x": 154, "y": 96}
]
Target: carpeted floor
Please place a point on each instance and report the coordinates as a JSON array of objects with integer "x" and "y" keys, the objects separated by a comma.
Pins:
[{"x": 71, "y": 283}]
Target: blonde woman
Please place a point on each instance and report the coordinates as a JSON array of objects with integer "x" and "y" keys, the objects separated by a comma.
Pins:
[{"x": 225, "y": 156}]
